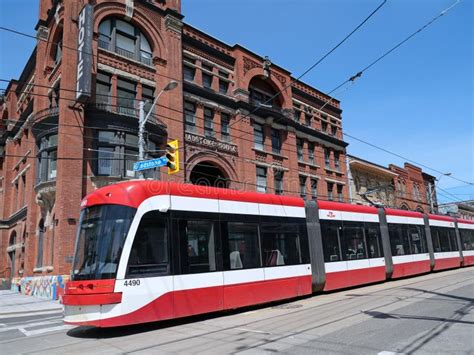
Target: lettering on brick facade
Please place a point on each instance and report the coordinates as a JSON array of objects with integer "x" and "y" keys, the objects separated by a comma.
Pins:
[
  {"x": 84, "y": 54},
  {"x": 210, "y": 143}
]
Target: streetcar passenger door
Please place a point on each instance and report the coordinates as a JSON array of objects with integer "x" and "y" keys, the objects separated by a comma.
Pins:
[{"x": 198, "y": 282}]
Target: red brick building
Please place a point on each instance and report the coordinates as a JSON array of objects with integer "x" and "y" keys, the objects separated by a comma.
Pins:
[
  {"x": 56, "y": 149},
  {"x": 414, "y": 189}
]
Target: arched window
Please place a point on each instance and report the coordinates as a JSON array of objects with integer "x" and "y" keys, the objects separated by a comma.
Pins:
[
  {"x": 39, "y": 253},
  {"x": 125, "y": 39},
  {"x": 12, "y": 253},
  {"x": 58, "y": 51}
]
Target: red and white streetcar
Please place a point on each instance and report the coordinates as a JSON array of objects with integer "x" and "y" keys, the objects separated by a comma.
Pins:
[{"x": 150, "y": 250}]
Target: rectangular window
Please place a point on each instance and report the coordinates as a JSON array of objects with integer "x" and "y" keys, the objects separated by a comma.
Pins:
[
  {"x": 190, "y": 116},
  {"x": 327, "y": 158},
  {"x": 126, "y": 93},
  {"x": 243, "y": 245},
  {"x": 467, "y": 239},
  {"x": 258, "y": 137},
  {"x": 130, "y": 158},
  {"x": 296, "y": 115},
  {"x": 148, "y": 97},
  {"x": 333, "y": 130},
  {"x": 314, "y": 189},
  {"x": 103, "y": 90},
  {"x": 307, "y": 120},
  {"x": 303, "y": 187},
  {"x": 330, "y": 191},
  {"x": 444, "y": 239},
  {"x": 340, "y": 197},
  {"x": 311, "y": 153},
  {"x": 225, "y": 128},
  {"x": 52, "y": 156},
  {"x": 150, "y": 250},
  {"x": 189, "y": 73},
  {"x": 276, "y": 143},
  {"x": 299, "y": 149},
  {"x": 223, "y": 84},
  {"x": 331, "y": 233},
  {"x": 352, "y": 241},
  {"x": 261, "y": 179},
  {"x": 406, "y": 239},
  {"x": 324, "y": 126},
  {"x": 208, "y": 122},
  {"x": 278, "y": 175},
  {"x": 104, "y": 162},
  {"x": 206, "y": 76},
  {"x": 280, "y": 244},
  {"x": 198, "y": 241},
  {"x": 336, "y": 161},
  {"x": 374, "y": 241}
]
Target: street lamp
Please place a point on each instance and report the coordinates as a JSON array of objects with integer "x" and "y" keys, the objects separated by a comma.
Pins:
[
  {"x": 142, "y": 119},
  {"x": 433, "y": 190}
]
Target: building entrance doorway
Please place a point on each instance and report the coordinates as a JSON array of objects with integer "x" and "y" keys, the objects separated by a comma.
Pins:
[{"x": 209, "y": 174}]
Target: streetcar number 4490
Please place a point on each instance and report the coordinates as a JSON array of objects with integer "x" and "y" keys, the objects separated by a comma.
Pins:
[{"x": 132, "y": 283}]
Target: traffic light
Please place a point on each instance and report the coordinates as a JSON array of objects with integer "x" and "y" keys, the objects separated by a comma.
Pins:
[{"x": 172, "y": 155}]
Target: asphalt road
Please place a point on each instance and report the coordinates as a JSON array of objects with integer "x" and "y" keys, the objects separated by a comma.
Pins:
[{"x": 431, "y": 314}]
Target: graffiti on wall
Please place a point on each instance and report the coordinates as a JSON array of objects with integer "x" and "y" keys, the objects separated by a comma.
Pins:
[{"x": 50, "y": 287}]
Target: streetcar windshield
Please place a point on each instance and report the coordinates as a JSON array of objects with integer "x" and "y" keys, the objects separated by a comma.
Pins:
[{"x": 99, "y": 242}]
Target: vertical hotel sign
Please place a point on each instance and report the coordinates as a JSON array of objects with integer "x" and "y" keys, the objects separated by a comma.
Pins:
[{"x": 84, "y": 54}]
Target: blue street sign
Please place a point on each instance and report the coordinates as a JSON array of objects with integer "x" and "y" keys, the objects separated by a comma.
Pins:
[{"x": 149, "y": 164}]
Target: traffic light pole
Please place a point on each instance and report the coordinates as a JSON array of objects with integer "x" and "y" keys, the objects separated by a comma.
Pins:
[
  {"x": 142, "y": 121},
  {"x": 141, "y": 139}
]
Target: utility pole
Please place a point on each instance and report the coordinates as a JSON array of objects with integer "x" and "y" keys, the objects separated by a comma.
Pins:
[
  {"x": 142, "y": 119},
  {"x": 141, "y": 131}
]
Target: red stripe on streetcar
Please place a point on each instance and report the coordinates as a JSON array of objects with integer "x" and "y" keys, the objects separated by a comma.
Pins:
[
  {"x": 91, "y": 300},
  {"x": 411, "y": 268},
  {"x": 210, "y": 299},
  {"x": 89, "y": 287},
  {"x": 403, "y": 213},
  {"x": 344, "y": 279},
  {"x": 441, "y": 218},
  {"x": 468, "y": 260},
  {"x": 447, "y": 263}
]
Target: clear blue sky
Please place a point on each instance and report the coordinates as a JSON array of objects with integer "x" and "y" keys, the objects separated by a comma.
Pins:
[{"x": 417, "y": 102}]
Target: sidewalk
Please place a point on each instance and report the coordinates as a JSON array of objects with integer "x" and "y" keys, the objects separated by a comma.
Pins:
[{"x": 12, "y": 303}]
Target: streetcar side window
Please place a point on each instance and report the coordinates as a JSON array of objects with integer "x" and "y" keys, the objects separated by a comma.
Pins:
[
  {"x": 352, "y": 241},
  {"x": 398, "y": 240},
  {"x": 198, "y": 241},
  {"x": 374, "y": 244},
  {"x": 243, "y": 245},
  {"x": 444, "y": 239},
  {"x": 280, "y": 244},
  {"x": 331, "y": 233},
  {"x": 407, "y": 239},
  {"x": 453, "y": 240},
  {"x": 467, "y": 239},
  {"x": 150, "y": 249}
]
